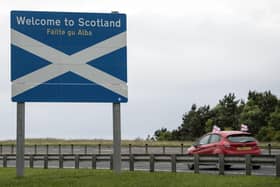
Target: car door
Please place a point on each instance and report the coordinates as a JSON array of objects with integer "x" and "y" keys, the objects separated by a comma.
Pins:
[
  {"x": 213, "y": 144},
  {"x": 202, "y": 145}
]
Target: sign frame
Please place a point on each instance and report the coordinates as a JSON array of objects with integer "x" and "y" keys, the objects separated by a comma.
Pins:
[{"x": 109, "y": 80}]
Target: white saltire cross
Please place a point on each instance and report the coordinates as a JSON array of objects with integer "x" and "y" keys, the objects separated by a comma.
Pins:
[{"x": 62, "y": 63}]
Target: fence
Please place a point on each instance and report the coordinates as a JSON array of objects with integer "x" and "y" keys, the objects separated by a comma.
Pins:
[
  {"x": 221, "y": 161},
  {"x": 85, "y": 149},
  {"x": 99, "y": 149}
]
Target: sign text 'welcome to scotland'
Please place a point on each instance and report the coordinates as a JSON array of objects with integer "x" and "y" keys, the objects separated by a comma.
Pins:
[{"x": 68, "y": 57}]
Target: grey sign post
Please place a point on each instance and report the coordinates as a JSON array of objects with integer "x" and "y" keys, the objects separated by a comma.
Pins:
[
  {"x": 117, "y": 137},
  {"x": 20, "y": 139}
]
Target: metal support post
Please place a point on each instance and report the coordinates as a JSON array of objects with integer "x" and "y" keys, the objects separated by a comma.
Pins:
[
  {"x": 93, "y": 161},
  {"x": 129, "y": 149},
  {"x": 221, "y": 164},
  {"x": 146, "y": 149},
  {"x": 196, "y": 163},
  {"x": 173, "y": 163},
  {"x": 99, "y": 148},
  {"x": 152, "y": 163},
  {"x": 20, "y": 139},
  {"x": 269, "y": 149},
  {"x": 117, "y": 137},
  {"x": 131, "y": 162},
  {"x": 248, "y": 164},
  {"x": 277, "y": 165}
]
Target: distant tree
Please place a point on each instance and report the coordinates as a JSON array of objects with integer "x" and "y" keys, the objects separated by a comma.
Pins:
[
  {"x": 194, "y": 122},
  {"x": 266, "y": 102},
  {"x": 266, "y": 134},
  {"x": 209, "y": 125},
  {"x": 227, "y": 112},
  {"x": 274, "y": 120},
  {"x": 261, "y": 113},
  {"x": 258, "y": 111},
  {"x": 162, "y": 134},
  {"x": 252, "y": 116}
]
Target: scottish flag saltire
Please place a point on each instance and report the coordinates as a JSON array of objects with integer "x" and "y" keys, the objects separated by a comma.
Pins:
[
  {"x": 244, "y": 127},
  {"x": 57, "y": 60},
  {"x": 216, "y": 129}
]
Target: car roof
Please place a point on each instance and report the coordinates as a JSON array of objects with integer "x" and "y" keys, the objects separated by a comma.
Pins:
[{"x": 228, "y": 133}]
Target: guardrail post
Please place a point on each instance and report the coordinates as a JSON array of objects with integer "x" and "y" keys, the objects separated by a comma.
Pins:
[
  {"x": 46, "y": 162},
  {"x": 131, "y": 162},
  {"x": 129, "y": 149},
  {"x": 12, "y": 149},
  {"x": 85, "y": 149},
  {"x": 173, "y": 163},
  {"x": 35, "y": 149},
  {"x": 182, "y": 148},
  {"x": 47, "y": 149},
  {"x": 248, "y": 164},
  {"x": 61, "y": 157},
  {"x": 5, "y": 161},
  {"x": 72, "y": 149},
  {"x": 111, "y": 162},
  {"x": 152, "y": 163},
  {"x": 1, "y": 149},
  {"x": 99, "y": 148},
  {"x": 59, "y": 149},
  {"x": 221, "y": 164},
  {"x": 269, "y": 148},
  {"x": 146, "y": 148},
  {"x": 77, "y": 161},
  {"x": 31, "y": 161},
  {"x": 93, "y": 161},
  {"x": 196, "y": 163},
  {"x": 163, "y": 149},
  {"x": 277, "y": 165}
]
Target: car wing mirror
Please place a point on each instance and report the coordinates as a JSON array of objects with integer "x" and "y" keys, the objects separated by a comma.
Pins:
[{"x": 196, "y": 144}]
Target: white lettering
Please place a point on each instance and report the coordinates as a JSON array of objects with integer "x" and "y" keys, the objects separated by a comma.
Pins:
[
  {"x": 99, "y": 23},
  {"x": 22, "y": 20}
]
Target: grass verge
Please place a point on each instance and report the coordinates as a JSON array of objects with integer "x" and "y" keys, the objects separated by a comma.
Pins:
[{"x": 100, "y": 178}]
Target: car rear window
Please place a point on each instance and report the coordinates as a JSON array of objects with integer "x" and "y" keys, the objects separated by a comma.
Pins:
[{"x": 241, "y": 138}]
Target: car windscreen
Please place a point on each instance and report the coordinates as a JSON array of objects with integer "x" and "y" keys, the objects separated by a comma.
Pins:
[{"x": 241, "y": 138}]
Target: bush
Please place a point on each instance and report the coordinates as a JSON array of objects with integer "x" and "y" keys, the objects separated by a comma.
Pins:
[
  {"x": 276, "y": 136},
  {"x": 266, "y": 134}
]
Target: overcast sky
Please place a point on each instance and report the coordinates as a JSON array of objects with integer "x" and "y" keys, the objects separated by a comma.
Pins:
[{"x": 179, "y": 52}]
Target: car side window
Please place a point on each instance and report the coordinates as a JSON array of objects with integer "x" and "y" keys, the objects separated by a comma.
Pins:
[
  {"x": 204, "y": 140},
  {"x": 215, "y": 138}
]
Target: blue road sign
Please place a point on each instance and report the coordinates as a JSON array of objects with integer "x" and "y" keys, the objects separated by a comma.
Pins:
[{"x": 68, "y": 57}]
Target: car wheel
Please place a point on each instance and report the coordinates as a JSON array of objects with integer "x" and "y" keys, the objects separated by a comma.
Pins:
[
  {"x": 256, "y": 166},
  {"x": 190, "y": 166}
]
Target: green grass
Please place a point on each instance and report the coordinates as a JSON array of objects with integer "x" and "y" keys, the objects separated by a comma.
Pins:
[{"x": 87, "y": 177}]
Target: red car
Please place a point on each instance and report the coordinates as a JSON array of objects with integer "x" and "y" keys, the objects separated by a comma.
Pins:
[{"x": 227, "y": 143}]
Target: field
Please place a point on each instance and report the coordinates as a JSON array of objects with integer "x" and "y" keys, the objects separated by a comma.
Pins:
[
  {"x": 53, "y": 141},
  {"x": 87, "y": 177}
]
